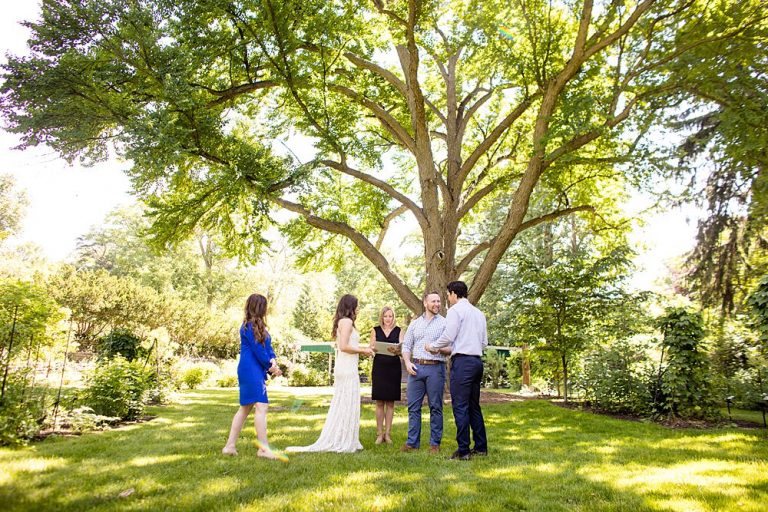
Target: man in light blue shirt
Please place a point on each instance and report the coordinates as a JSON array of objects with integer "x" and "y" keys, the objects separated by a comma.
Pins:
[
  {"x": 466, "y": 332},
  {"x": 426, "y": 374}
]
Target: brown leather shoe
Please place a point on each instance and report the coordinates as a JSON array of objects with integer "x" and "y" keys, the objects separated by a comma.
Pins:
[
  {"x": 407, "y": 448},
  {"x": 435, "y": 448}
]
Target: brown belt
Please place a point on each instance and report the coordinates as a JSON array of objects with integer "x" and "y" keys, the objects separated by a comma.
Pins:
[{"x": 426, "y": 361}]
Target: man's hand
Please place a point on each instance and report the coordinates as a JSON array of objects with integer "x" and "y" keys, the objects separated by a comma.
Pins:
[
  {"x": 410, "y": 367},
  {"x": 429, "y": 349}
]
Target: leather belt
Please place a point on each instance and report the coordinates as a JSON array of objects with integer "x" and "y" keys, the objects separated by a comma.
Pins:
[{"x": 426, "y": 361}]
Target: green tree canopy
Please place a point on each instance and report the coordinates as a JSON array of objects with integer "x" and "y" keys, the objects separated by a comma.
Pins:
[
  {"x": 29, "y": 312},
  {"x": 12, "y": 205},
  {"x": 413, "y": 107}
]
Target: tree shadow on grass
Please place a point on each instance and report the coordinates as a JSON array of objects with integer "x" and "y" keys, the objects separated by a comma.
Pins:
[{"x": 542, "y": 458}]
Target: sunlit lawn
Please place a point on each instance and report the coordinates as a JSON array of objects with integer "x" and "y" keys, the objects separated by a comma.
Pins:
[{"x": 542, "y": 457}]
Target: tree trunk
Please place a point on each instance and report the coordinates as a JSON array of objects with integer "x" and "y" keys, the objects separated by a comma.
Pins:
[
  {"x": 526, "y": 361},
  {"x": 10, "y": 349},
  {"x": 565, "y": 377}
]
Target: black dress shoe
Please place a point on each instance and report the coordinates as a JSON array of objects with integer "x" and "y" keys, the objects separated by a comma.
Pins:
[
  {"x": 477, "y": 453},
  {"x": 457, "y": 456}
]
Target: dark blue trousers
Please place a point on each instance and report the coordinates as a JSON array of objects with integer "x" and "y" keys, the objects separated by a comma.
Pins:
[{"x": 466, "y": 376}]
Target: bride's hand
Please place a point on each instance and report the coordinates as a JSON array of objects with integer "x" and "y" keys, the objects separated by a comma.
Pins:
[{"x": 368, "y": 351}]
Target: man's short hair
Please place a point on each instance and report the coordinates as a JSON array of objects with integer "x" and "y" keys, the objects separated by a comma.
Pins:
[
  {"x": 459, "y": 288},
  {"x": 428, "y": 293}
]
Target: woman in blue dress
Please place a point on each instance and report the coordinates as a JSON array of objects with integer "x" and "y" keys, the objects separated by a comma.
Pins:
[{"x": 257, "y": 359}]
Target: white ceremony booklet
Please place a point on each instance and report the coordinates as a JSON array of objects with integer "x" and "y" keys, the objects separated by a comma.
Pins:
[{"x": 382, "y": 346}]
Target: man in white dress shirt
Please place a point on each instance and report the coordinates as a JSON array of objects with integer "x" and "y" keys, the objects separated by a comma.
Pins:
[{"x": 466, "y": 332}]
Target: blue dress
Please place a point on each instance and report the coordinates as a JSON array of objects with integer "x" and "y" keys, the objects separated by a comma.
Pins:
[{"x": 252, "y": 366}]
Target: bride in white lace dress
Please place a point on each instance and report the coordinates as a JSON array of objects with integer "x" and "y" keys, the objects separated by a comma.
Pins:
[{"x": 341, "y": 432}]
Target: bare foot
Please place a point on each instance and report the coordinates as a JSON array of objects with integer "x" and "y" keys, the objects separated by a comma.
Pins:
[{"x": 229, "y": 451}]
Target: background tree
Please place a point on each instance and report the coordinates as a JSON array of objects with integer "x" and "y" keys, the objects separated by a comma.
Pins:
[
  {"x": 722, "y": 107},
  {"x": 193, "y": 270},
  {"x": 197, "y": 95},
  {"x": 99, "y": 302},
  {"x": 307, "y": 316},
  {"x": 29, "y": 311},
  {"x": 12, "y": 205}
]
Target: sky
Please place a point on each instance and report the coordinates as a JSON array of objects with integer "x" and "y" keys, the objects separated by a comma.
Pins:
[{"x": 66, "y": 201}]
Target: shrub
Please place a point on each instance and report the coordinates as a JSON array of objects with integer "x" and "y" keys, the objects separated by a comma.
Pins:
[
  {"x": 227, "y": 381},
  {"x": 300, "y": 375},
  {"x": 120, "y": 342},
  {"x": 745, "y": 387},
  {"x": 617, "y": 379},
  {"x": 194, "y": 376},
  {"x": 117, "y": 388},
  {"x": 22, "y": 411},
  {"x": 495, "y": 370},
  {"x": 685, "y": 385}
]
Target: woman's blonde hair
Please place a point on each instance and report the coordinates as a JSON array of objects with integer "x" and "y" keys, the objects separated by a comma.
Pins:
[{"x": 384, "y": 310}]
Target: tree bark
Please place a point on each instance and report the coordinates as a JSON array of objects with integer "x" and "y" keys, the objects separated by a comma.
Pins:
[{"x": 526, "y": 363}]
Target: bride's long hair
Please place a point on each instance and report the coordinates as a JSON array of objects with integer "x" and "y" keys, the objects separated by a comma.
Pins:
[
  {"x": 255, "y": 314},
  {"x": 345, "y": 309}
]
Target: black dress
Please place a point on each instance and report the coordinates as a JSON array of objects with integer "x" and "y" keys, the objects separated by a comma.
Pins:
[{"x": 386, "y": 372}]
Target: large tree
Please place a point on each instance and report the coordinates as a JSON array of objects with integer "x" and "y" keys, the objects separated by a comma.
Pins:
[
  {"x": 419, "y": 107},
  {"x": 723, "y": 104}
]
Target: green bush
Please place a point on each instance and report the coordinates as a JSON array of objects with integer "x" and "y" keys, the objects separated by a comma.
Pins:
[
  {"x": 685, "y": 387},
  {"x": 120, "y": 342},
  {"x": 745, "y": 387},
  {"x": 117, "y": 388},
  {"x": 22, "y": 411},
  {"x": 495, "y": 370},
  {"x": 194, "y": 376},
  {"x": 617, "y": 379},
  {"x": 227, "y": 381},
  {"x": 300, "y": 375}
]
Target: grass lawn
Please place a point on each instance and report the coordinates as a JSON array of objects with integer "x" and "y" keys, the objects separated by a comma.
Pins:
[{"x": 542, "y": 457}]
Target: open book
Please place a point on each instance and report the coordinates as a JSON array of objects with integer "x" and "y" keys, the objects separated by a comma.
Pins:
[{"x": 382, "y": 347}]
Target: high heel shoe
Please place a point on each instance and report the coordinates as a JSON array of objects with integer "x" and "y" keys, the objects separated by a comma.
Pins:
[
  {"x": 379, "y": 438},
  {"x": 387, "y": 439}
]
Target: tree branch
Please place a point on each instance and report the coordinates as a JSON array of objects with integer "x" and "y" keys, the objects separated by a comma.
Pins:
[
  {"x": 361, "y": 242},
  {"x": 497, "y": 132},
  {"x": 479, "y": 248},
  {"x": 387, "y": 121},
  {"x": 232, "y": 92},
  {"x": 381, "y": 185},
  {"x": 385, "y": 224}
]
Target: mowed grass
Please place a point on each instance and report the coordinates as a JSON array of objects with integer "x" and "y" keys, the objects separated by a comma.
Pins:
[{"x": 542, "y": 457}]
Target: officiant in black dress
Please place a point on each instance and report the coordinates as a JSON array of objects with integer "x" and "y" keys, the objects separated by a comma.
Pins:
[{"x": 386, "y": 374}]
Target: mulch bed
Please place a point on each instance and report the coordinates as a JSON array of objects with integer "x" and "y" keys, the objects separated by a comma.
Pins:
[
  {"x": 669, "y": 422},
  {"x": 65, "y": 430}
]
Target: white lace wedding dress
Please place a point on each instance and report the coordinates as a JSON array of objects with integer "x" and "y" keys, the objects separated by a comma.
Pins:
[{"x": 341, "y": 432}]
